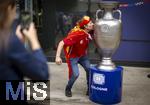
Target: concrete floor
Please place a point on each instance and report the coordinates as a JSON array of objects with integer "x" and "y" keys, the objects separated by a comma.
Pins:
[{"x": 136, "y": 86}]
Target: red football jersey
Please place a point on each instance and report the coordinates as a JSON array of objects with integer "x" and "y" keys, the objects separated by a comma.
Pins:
[{"x": 76, "y": 44}]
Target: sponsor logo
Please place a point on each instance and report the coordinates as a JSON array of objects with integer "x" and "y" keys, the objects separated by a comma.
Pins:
[
  {"x": 99, "y": 79},
  {"x": 81, "y": 42}
]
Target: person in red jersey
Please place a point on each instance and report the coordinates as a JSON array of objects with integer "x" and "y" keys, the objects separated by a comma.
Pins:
[{"x": 75, "y": 48}]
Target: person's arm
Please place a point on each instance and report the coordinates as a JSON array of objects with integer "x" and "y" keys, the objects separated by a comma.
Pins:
[
  {"x": 30, "y": 35},
  {"x": 58, "y": 59},
  {"x": 31, "y": 64}
]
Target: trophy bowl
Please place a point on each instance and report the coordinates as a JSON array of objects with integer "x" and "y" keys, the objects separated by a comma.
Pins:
[{"x": 107, "y": 32}]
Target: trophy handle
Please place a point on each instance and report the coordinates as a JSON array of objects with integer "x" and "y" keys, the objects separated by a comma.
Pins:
[
  {"x": 97, "y": 12},
  {"x": 120, "y": 14}
]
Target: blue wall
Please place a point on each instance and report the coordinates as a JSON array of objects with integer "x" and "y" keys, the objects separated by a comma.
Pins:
[{"x": 135, "y": 42}]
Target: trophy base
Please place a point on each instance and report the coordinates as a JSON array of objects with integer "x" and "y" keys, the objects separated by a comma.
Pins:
[
  {"x": 106, "y": 86},
  {"x": 106, "y": 64}
]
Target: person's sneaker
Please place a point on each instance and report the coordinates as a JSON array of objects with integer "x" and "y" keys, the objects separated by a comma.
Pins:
[{"x": 68, "y": 93}]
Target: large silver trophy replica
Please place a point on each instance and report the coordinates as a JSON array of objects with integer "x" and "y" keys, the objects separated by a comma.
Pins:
[{"x": 107, "y": 32}]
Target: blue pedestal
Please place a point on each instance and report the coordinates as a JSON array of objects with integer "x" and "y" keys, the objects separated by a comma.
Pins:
[{"x": 106, "y": 86}]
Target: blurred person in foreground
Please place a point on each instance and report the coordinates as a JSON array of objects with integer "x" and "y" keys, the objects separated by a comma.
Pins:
[
  {"x": 75, "y": 47},
  {"x": 15, "y": 61}
]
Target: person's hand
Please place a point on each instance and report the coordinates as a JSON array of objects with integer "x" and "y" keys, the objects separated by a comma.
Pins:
[
  {"x": 58, "y": 60},
  {"x": 20, "y": 34},
  {"x": 31, "y": 35}
]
